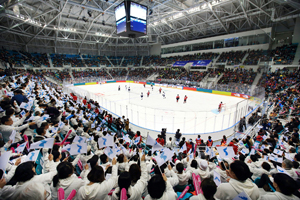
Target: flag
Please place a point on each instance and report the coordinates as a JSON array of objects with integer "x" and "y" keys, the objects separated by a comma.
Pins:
[
  {"x": 21, "y": 148},
  {"x": 256, "y": 144},
  {"x": 79, "y": 139},
  {"x": 66, "y": 148},
  {"x": 244, "y": 151},
  {"x": 61, "y": 124},
  {"x": 278, "y": 152},
  {"x": 110, "y": 152},
  {"x": 32, "y": 156},
  {"x": 54, "y": 129},
  {"x": 207, "y": 150},
  {"x": 78, "y": 148},
  {"x": 123, "y": 149},
  {"x": 90, "y": 139},
  {"x": 226, "y": 152},
  {"x": 252, "y": 152},
  {"x": 69, "y": 117},
  {"x": 137, "y": 140},
  {"x": 156, "y": 147},
  {"x": 217, "y": 178},
  {"x": 150, "y": 141},
  {"x": 126, "y": 138},
  {"x": 288, "y": 156},
  {"x": 23, "y": 113},
  {"x": 281, "y": 170},
  {"x": 46, "y": 143},
  {"x": 164, "y": 156},
  {"x": 106, "y": 141},
  {"x": 44, "y": 117},
  {"x": 25, "y": 106},
  {"x": 242, "y": 196},
  {"x": 241, "y": 143},
  {"x": 183, "y": 148},
  {"x": 117, "y": 150},
  {"x": 4, "y": 158},
  {"x": 275, "y": 159},
  {"x": 266, "y": 158},
  {"x": 212, "y": 154},
  {"x": 13, "y": 136}
]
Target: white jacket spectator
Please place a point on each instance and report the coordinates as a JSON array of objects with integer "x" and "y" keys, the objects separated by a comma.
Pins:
[
  {"x": 239, "y": 182},
  {"x": 98, "y": 187},
  {"x": 285, "y": 187},
  {"x": 135, "y": 192}
]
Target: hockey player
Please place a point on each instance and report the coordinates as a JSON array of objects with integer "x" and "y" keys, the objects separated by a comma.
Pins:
[
  {"x": 185, "y": 98},
  {"x": 119, "y": 88},
  {"x": 144, "y": 85},
  {"x": 142, "y": 96},
  {"x": 148, "y": 93},
  {"x": 164, "y": 95},
  {"x": 159, "y": 90},
  {"x": 177, "y": 98},
  {"x": 152, "y": 87},
  {"x": 220, "y": 107},
  {"x": 129, "y": 89}
]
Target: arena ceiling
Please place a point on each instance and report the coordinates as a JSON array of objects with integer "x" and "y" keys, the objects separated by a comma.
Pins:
[{"x": 85, "y": 24}]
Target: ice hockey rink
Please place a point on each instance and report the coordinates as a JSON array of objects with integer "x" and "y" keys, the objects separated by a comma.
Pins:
[{"x": 198, "y": 115}]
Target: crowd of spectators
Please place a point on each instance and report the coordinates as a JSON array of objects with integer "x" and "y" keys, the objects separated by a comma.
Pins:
[
  {"x": 95, "y": 61},
  {"x": 195, "y": 76},
  {"x": 58, "y": 76},
  {"x": 90, "y": 73},
  {"x": 14, "y": 58},
  {"x": 115, "y": 60},
  {"x": 281, "y": 78},
  {"x": 260, "y": 167},
  {"x": 232, "y": 57},
  {"x": 284, "y": 55},
  {"x": 35, "y": 59},
  {"x": 118, "y": 72},
  {"x": 169, "y": 73},
  {"x": 253, "y": 57},
  {"x": 58, "y": 60},
  {"x": 242, "y": 76},
  {"x": 132, "y": 60},
  {"x": 140, "y": 73},
  {"x": 215, "y": 72}
]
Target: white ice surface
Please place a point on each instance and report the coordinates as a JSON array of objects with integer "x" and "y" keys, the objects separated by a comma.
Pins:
[{"x": 198, "y": 115}]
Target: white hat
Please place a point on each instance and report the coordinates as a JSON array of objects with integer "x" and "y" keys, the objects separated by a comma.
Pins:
[{"x": 203, "y": 164}]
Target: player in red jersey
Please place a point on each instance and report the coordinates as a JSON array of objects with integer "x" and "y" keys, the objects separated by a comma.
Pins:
[
  {"x": 159, "y": 90},
  {"x": 177, "y": 98},
  {"x": 185, "y": 98},
  {"x": 148, "y": 93},
  {"x": 220, "y": 106}
]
